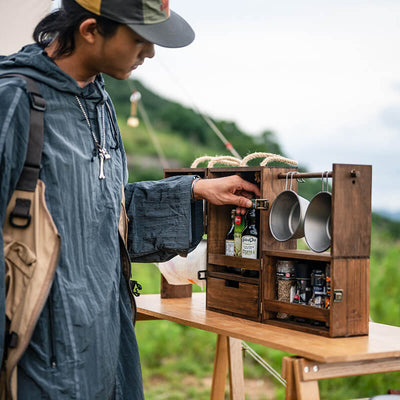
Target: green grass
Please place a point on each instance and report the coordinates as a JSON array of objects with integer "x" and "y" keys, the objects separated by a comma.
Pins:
[{"x": 177, "y": 360}]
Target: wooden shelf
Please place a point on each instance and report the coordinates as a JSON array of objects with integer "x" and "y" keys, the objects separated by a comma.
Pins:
[
  {"x": 235, "y": 262},
  {"x": 234, "y": 277},
  {"x": 299, "y": 326},
  {"x": 298, "y": 310},
  {"x": 300, "y": 255}
]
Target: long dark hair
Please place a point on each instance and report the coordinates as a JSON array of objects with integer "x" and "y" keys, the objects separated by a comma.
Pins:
[{"x": 63, "y": 24}]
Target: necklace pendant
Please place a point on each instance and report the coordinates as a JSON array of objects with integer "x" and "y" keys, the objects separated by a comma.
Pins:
[
  {"x": 101, "y": 159},
  {"x": 103, "y": 156},
  {"x": 106, "y": 154}
]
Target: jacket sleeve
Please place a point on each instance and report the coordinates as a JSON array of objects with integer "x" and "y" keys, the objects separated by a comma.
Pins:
[
  {"x": 14, "y": 133},
  {"x": 162, "y": 220}
]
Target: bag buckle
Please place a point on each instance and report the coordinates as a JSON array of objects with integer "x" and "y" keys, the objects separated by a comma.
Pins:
[
  {"x": 261, "y": 204},
  {"x": 37, "y": 101},
  {"x": 20, "y": 211}
]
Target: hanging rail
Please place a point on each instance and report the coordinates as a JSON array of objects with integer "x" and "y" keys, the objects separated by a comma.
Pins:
[{"x": 298, "y": 175}]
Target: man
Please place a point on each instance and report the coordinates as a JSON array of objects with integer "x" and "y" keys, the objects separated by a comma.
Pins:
[{"x": 84, "y": 345}]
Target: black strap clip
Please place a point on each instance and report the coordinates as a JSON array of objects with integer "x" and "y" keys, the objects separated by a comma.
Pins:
[
  {"x": 135, "y": 286},
  {"x": 21, "y": 211},
  {"x": 37, "y": 101},
  {"x": 202, "y": 274}
]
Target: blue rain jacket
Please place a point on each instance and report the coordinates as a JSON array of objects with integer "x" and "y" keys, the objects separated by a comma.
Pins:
[{"x": 84, "y": 344}]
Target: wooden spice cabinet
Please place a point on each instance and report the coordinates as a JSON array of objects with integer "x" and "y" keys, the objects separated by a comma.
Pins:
[{"x": 255, "y": 297}]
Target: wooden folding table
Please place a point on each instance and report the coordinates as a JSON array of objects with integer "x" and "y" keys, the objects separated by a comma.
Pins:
[{"x": 315, "y": 357}]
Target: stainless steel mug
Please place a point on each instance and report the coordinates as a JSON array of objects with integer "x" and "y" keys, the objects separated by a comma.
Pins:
[
  {"x": 286, "y": 218},
  {"x": 317, "y": 222}
]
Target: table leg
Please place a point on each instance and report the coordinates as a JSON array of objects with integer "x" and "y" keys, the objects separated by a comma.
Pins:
[
  {"x": 228, "y": 353},
  {"x": 306, "y": 390},
  {"x": 220, "y": 368},
  {"x": 236, "y": 377},
  {"x": 288, "y": 375},
  {"x": 296, "y": 387}
]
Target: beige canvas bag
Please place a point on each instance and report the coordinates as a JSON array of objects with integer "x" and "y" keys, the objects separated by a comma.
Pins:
[{"x": 31, "y": 249}]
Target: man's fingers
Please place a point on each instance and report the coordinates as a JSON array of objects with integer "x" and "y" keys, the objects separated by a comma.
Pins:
[
  {"x": 248, "y": 195},
  {"x": 241, "y": 210},
  {"x": 241, "y": 201},
  {"x": 250, "y": 187}
]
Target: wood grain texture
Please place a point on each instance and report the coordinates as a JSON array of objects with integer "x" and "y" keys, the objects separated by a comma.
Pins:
[
  {"x": 233, "y": 296},
  {"x": 299, "y": 255},
  {"x": 299, "y": 326},
  {"x": 220, "y": 368},
  {"x": 202, "y": 172},
  {"x": 351, "y": 211},
  {"x": 232, "y": 276},
  {"x": 299, "y": 310},
  {"x": 288, "y": 375},
  {"x": 350, "y": 316},
  {"x": 382, "y": 341},
  {"x": 236, "y": 377},
  {"x": 305, "y": 390},
  {"x": 174, "y": 291},
  {"x": 237, "y": 262},
  {"x": 336, "y": 370}
]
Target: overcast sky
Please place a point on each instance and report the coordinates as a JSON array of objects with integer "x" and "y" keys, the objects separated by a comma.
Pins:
[{"x": 323, "y": 75}]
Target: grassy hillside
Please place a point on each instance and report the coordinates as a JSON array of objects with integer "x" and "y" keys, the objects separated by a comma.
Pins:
[{"x": 183, "y": 135}]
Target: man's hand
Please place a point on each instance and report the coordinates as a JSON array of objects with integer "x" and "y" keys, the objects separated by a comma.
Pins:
[{"x": 228, "y": 190}]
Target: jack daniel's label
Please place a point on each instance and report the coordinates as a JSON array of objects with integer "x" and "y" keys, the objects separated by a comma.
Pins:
[{"x": 249, "y": 246}]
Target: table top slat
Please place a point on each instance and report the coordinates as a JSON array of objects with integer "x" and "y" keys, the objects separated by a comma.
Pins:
[{"x": 382, "y": 342}]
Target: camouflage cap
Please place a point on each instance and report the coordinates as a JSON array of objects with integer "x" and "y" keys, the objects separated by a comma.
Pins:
[{"x": 151, "y": 19}]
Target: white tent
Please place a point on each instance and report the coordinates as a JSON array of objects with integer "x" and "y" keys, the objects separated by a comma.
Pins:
[{"x": 18, "y": 19}]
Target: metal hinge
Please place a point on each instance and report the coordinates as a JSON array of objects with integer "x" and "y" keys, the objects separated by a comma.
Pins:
[
  {"x": 261, "y": 308},
  {"x": 337, "y": 295}
]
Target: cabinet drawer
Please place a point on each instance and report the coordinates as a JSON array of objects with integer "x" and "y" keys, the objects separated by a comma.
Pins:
[{"x": 234, "y": 297}]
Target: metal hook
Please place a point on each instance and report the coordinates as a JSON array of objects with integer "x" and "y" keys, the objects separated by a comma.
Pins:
[
  {"x": 327, "y": 181},
  {"x": 291, "y": 179},
  {"x": 286, "y": 180},
  {"x": 323, "y": 189}
]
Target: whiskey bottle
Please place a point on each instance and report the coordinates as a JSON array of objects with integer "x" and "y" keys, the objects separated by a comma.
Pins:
[
  {"x": 230, "y": 236},
  {"x": 250, "y": 236}
]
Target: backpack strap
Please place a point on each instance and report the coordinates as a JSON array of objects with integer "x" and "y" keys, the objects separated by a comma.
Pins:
[{"x": 30, "y": 172}]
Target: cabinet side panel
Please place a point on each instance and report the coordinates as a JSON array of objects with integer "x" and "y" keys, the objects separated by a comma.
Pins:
[
  {"x": 349, "y": 317},
  {"x": 351, "y": 211}
]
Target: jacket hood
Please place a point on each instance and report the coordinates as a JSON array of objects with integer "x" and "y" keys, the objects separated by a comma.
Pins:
[{"x": 33, "y": 61}]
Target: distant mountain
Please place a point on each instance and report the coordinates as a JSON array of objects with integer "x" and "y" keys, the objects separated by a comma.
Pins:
[
  {"x": 387, "y": 225},
  {"x": 393, "y": 215},
  {"x": 170, "y": 116},
  {"x": 184, "y": 135}
]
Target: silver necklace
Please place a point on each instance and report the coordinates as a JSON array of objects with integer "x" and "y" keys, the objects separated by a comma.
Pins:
[{"x": 100, "y": 146}]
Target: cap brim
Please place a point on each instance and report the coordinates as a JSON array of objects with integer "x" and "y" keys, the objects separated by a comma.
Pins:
[{"x": 173, "y": 32}]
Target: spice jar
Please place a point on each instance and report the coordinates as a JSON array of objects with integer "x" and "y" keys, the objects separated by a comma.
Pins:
[
  {"x": 303, "y": 283},
  {"x": 286, "y": 284}
]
